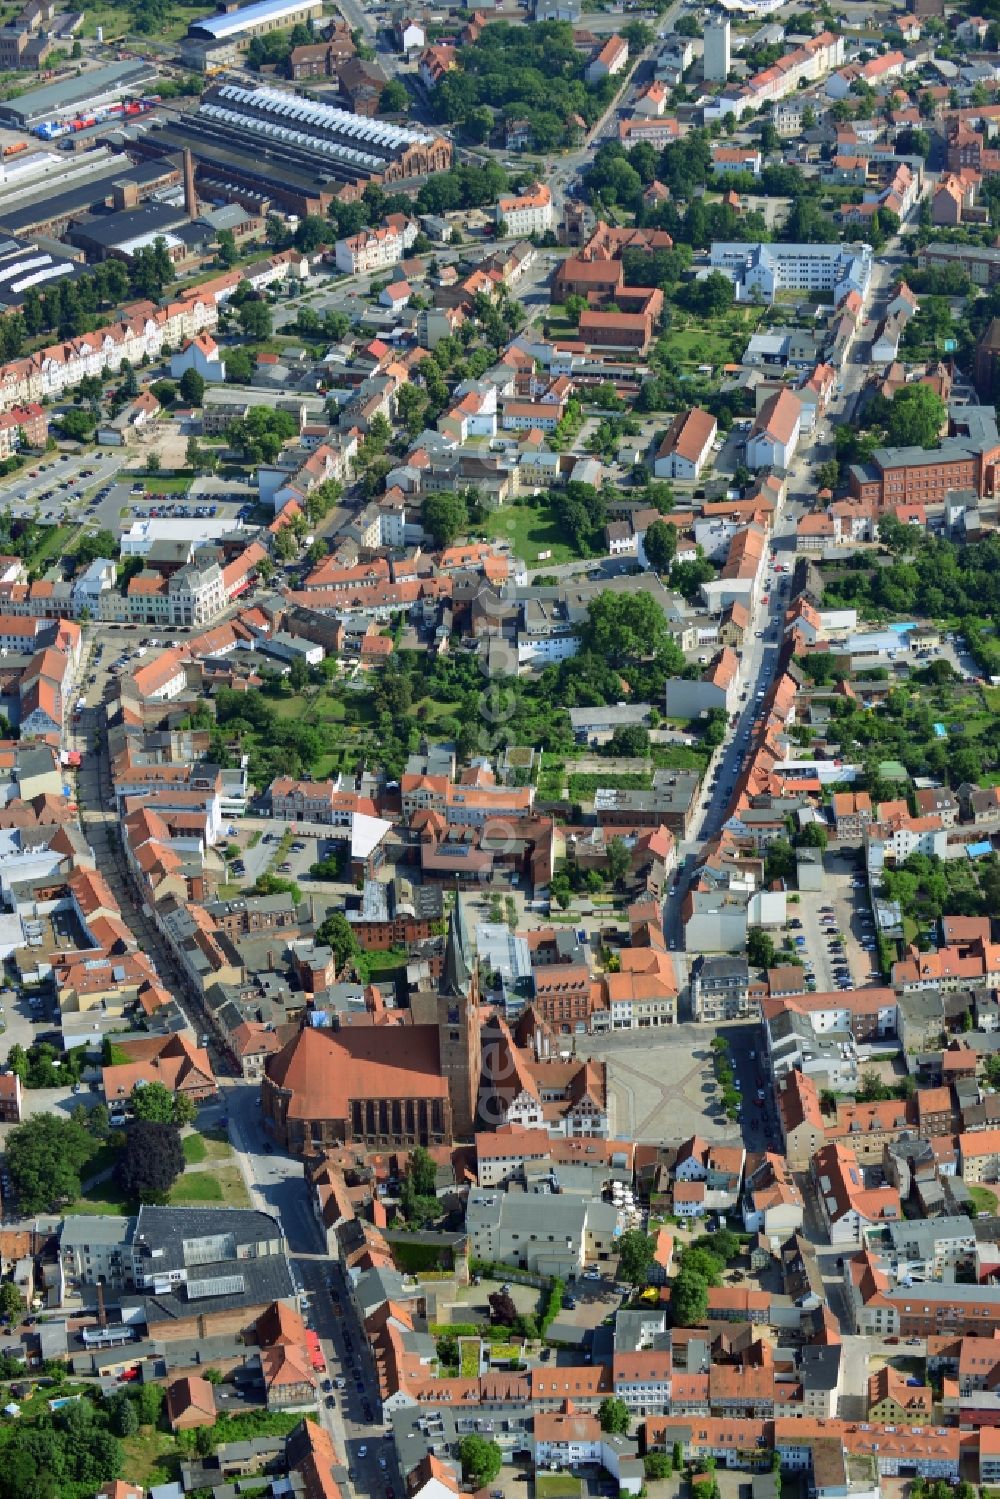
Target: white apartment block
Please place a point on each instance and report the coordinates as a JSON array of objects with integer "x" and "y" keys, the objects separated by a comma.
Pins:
[
  {"x": 768, "y": 269},
  {"x": 371, "y": 250},
  {"x": 529, "y": 214},
  {"x": 52, "y": 371}
]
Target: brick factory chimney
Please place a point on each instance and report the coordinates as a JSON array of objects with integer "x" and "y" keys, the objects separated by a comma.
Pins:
[{"x": 190, "y": 196}]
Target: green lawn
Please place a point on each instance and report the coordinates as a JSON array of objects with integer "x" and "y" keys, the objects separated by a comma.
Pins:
[
  {"x": 530, "y": 531},
  {"x": 429, "y": 712},
  {"x": 224, "y": 1184},
  {"x": 211, "y": 1146},
  {"x": 160, "y": 483},
  {"x": 151, "y": 1457},
  {"x": 195, "y": 1150},
  {"x": 679, "y": 757},
  {"x": 983, "y": 1199},
  {"x": 200, "y": 1186},
  {"x": 54, "y": 543},
  {"x": 557, "y": 1486},
  {"x": 104, "y": 1200}
]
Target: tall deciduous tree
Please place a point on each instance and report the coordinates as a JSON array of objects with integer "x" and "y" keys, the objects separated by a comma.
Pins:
[
  {"x": 45, "y": 1156},
  {"x": 151, "y": 1161}
]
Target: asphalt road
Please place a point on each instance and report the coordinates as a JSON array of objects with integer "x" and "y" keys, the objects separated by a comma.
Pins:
[{"x": 277, "y": 1185}]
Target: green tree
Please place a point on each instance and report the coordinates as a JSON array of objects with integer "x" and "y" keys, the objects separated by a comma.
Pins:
[
  {"x": 687, "y": 577},
  {"x": 635, "y": 1255},
  {"x": 445, "y": 516},
  {"x": 96, "y": 544},
  {"x": 422, "y": 1172},
  {"x": 11, "y": 1301},
  {"x": 192, "y": 388},
  {"x": 311, "y": 234},
  {"x": 657, "y": 1465},
  {"x": 623, "y": 628},
  {"x": 828, "y": 474},
  {"x": 871, "y": 1088},
  {"x": 619, "y": 861},
  {"x": 45, "y": 1156},
  {"x": 760, "y": 948},
  {"x": 228, "y": 253},
  {"x": 285, "y": 545},
  {"x": 779, "y": 862},
  {"x": 78, "y": 424},
  {"x": 164, "y": 391},
  {"x": 337, "y": 933},
  {"x": 661, "y": 545},
  {"x": 481, "y": 1460},
  {"x": 394, "y": 98},
  {"x": 703, "y": 1262},
  {"x": 573, "y": 306},
  {"x": 239, "y": 366},
  {"x": 149, "y": 1399},
  {"x": 688, "y": 1299},
  {"x": 916, "y": 417},
  {"x": 151, "y": 1161},
  {"x": 254, "y": 318},
  {"x": 123, "y": 1417},
  {"x": 153, "y": 1101},
  {"x": 614, "y": 1416}
]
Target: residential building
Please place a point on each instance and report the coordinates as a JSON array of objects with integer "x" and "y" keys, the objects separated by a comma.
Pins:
[
  {"x": 720, "y": 989},
  {"x": 611, "y": 59},
  {"x": 687, "y": 445},
  {"x": 528, "y": 214},
  {"x": 775, "y": 433},
  {"x": 371, "y": 250}
]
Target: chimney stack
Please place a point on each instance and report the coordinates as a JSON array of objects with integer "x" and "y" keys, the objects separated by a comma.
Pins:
[
  {"x": 102, "y": 1316},
  {"x": 190, "y": 196}
]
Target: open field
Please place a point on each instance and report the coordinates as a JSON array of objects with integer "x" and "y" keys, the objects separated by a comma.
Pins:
[{"x": 530, "y": 532}]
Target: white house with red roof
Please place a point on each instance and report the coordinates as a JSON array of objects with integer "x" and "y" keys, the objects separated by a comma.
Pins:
[{"x": 201, "y": 354}]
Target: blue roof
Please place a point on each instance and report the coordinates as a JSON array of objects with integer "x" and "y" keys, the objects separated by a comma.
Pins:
[{"x": 979, "y": 850}]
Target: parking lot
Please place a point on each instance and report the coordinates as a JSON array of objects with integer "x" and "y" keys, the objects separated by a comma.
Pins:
[
  {"x": 296, "y": 860},
  {"x": 56, "y": 485},
  {"x": 833, "y": 929}
]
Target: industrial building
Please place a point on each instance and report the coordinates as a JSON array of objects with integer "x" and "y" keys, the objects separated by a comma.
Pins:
[
  {"x": 219, "y": 41},
  {"x": 86, "y": 92},
  {"x": 256, "y": 144},
  {"x": 121, "y": 235},
  {"x": 23, "y": 265},
  {"x": 44, "y": 193}
]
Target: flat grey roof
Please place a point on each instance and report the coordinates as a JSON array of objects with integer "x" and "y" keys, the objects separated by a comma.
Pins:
[{"x": 39, "y": 102}]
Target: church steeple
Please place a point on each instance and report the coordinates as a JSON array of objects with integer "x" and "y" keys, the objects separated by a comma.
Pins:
[{"x": 456, "y": 976}]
